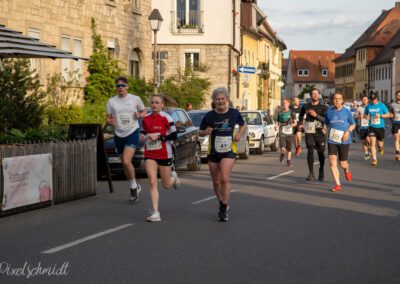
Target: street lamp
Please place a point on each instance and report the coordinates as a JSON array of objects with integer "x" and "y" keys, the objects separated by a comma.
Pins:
[{"x": 155, "y": 20}]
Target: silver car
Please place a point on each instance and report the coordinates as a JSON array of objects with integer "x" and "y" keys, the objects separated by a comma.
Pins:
[
  {"x": 243, "y": 146},
  {"x": 262, "y": 130}
]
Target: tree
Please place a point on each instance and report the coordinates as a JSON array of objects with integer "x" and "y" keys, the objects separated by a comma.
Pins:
[
  {"x": 103, "y": 69},
  {"x": 306, "y": 90},
  {"x": 20, "y": 96},
  {"x": 186, "y": 87}
]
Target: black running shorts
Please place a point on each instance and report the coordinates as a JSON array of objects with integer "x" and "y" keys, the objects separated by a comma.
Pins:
[{"x": 341, "y": 150}]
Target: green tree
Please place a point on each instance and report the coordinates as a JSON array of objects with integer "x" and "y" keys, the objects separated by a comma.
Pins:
[
  {"x": 20, "y": 96},
  {"x": 186, "y": 87},
  {"x": 306, "y": 90},
  {"x": 140, "y": 88},
  {"x": 103, "y": 69}
]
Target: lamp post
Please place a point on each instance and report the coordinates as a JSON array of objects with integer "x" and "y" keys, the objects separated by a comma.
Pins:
[{"x": 155, "y": 20}]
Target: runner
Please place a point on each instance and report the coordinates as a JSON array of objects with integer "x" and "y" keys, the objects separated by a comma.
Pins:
[
  {"x": 314, "y": 132},
  {"x": 340, "y": 124},
  {"x": 286, "y": 121},
  {"x": 158, "y": 130},
  {"x": 395, "y": 113},
  {"x": 363, "y": 126},
  {"x": 297, "y": 131},
  {"x": 375, "y": 112},
  {"x": 353, "y": 110},
  {"x": 220, "y": 124},
  {"x": 123, "y": 111}
]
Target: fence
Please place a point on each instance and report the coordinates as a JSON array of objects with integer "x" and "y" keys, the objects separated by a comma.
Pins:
[{"x": 74, "y": 169}]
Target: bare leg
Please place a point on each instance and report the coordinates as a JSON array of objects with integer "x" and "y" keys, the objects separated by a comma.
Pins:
[
  {"x": 334, "y": 168},
  {"x": 151, "y": 167}
]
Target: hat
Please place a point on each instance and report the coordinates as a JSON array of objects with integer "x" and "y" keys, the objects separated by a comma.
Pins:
[{"x": 373, "y": 96}]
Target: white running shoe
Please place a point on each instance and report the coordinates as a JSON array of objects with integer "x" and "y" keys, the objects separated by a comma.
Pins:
[
  {"x": 177, "y": 183},
  {"x": 135, "y": 193},
  {"x": 154, "y": 216}
]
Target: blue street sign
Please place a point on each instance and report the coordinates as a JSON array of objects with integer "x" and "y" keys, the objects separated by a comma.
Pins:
[{"x": 247, "y": 70}]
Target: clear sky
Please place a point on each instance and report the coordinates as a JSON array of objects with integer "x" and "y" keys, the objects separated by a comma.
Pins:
[{"x": 321, "y": 24}]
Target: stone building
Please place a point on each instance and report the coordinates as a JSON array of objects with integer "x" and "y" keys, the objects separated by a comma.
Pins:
[{"x": 66, "y": 24}]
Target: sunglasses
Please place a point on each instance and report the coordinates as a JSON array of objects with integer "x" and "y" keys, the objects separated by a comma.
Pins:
[{"x": 121, "y": 85}]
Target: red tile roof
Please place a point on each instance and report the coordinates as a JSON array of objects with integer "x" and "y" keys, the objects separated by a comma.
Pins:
[{"x": 314, "y": 61}]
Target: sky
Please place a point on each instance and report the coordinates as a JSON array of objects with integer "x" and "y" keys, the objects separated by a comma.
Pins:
[{"x": 321, "y": 24}]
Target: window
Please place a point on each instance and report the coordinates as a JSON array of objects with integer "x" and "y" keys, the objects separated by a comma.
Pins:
[
  {"x": 78, "y": 72},
  {"x": 192, "y": 60},
  {"x": 136, "y": 6},
  {"x": 35, "y": 63},
  {"x": 134, "y": 64},
  {"x": 66, "y": 70},
  {"x": 325, "y": 72},
  {"x": 65, "y": 63},
  {"x": 188, "y": 14},
  {"x": 302, "y": 72}
]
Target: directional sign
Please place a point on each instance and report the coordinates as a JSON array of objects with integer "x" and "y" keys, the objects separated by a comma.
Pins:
[{"x": 247, "y": 70}]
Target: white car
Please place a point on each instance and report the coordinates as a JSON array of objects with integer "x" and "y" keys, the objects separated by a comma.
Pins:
[
  {"x": 262, "y": 130},
  {"x": 243, "y": 146}
]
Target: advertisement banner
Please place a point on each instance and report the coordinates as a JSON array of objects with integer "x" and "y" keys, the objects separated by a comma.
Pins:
[{"x": 27, "y": 180}]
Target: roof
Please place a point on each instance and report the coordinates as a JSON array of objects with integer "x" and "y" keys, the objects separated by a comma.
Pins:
[
  {"x": 378, "y": 33},
  {"x": 14, "y": 44},
  {"x": 314, "y": 61},
  {"x": 387, "y": 54}
]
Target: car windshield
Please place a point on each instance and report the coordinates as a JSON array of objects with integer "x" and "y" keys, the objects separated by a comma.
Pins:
[
  {"x": 196, "y": 117},
  {"x": 252, "y": 118}
]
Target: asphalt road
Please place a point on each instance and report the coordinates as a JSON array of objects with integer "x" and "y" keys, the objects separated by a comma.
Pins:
[{"x": 282, "y": 229}]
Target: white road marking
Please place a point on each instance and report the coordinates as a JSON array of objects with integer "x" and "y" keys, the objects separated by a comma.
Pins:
[
  {"x": 209, "y": 198},
  {"x": 282, "y": 174},
  {"x": 88, "y": 238}
]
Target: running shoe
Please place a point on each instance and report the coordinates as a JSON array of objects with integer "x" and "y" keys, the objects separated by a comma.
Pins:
[
  {"x": 321, "y": 175},
  {"x": 374, "y": 162},
  {"x": 397, "y": 157},
  {"x": 349, "y": 176},
  {"x": 281, "y": 158},
  {"x": 298, "y": 150},
  {"x": 223, "y": 215},
  {"x": 381, "y": 151},
  {"x": 367, "y": 156},
  {"x": 310, "y": 177},
  {"x": 154, "y": 217},
  {"x": 337, "y": 188},
  {"x": 177, "y": 182},
  {"x": 135, "y": 193},
  {"x": 289, "y": 163}
]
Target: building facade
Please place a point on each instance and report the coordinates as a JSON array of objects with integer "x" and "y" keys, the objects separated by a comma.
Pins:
[
  {"x": 123, "y": 26},
  {"x": 198, "y": 33}
]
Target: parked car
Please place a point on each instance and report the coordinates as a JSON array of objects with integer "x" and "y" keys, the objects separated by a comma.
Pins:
[
  {"x": 186, "y": 149},
  {"x": 262, "y": 130},
  {"x": 243, "y": 146}
]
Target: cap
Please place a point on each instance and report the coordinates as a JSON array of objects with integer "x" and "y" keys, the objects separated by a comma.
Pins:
[{"x": 373, "y": 96}]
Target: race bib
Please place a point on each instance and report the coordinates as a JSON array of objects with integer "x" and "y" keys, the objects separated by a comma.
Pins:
[
  {"x": 287, "y": 129},
  {"x": 397, "y": 116},
  {"x": 336, "y": 135},
  {"x": 297, "y": 116},
  {"x": 375, "y": 120},
  {"x": 309, "y": 127},
  {"x": 125, "y": 120},
  {"x": 223, "y": 144},
  {"x": 364, "y": 122},
  {"x": 153, "y": 145}
]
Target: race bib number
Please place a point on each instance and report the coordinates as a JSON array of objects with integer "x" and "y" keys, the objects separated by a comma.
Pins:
[
  {"x": 397, "y": 116},
  {"x": 375, "y": 120},
  {"x": 364, "y": 122},
  {"x": 287, "y": 129},
  {"x": 125, "y": 120},
  {"x": 223, "y": 144},
  {"x": 309, "y": 127},
  {"x": 153, "y": 145},
  {"x": 336, "y": 135}
]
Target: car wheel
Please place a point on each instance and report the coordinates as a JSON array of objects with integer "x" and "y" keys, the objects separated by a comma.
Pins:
[
  {"x": 261, "y": 148},
  {"x": 246, "y": 153},
  {"x": 274, "y": 146},
  {"x": 195, "y": 165}
]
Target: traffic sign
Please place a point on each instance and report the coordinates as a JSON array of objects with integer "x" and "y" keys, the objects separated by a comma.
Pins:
[{"x": 247, "y": 69}]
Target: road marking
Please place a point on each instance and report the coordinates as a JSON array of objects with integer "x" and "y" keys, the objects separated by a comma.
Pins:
[
  {"x": 316, "y": 163},
  {"x": 209, "y": 198},
  {"x": 282, "y": 174},
  {"x": 88, "y": 238}
]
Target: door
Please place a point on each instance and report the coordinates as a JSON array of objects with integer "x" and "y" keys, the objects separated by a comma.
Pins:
[{"x": 271, "y": 132}]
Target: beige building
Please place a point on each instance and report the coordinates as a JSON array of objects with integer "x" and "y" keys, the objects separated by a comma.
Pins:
[{"x": 122, "y": 24}]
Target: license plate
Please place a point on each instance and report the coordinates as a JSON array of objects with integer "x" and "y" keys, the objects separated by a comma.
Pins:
[{"x": 114, "y": 160}]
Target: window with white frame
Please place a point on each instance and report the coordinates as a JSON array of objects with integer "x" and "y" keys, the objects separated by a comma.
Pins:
[
  {"x": 325, "y": 72},
  {"x": 302, "y": 72},
  {"x": 192, "y": 60},
  {"x": 65, "y": 63},
  {"x": 77, "y": 69},
  {"x": 35, "y": 63},
  {"x": 136, "y": 6},
  {"x": 187, "y": 14},
  {"x": 134, "y": 64}
]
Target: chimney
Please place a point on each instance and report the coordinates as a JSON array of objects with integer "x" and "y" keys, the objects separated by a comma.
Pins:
[{"x": 397, "y": 5}]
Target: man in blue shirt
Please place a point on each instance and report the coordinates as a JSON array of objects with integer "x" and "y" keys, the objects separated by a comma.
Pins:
[
  {"x": 375, "y": 112},
  {"x": 340, "y": 123}
]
